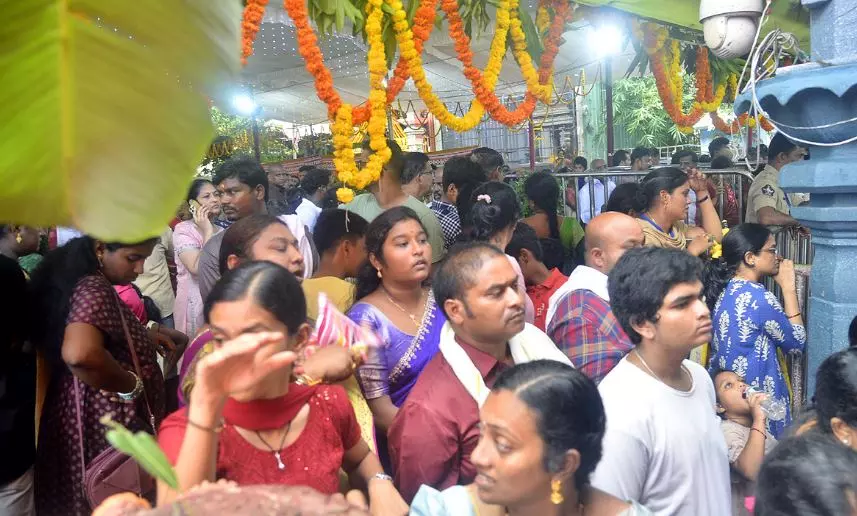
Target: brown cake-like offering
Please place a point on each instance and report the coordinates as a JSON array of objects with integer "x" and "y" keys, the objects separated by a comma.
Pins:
[{"x": 229, "y": 498}]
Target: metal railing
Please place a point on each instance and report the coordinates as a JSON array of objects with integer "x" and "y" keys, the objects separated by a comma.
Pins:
[
  {"x": 736, "y": 179},
  {"x": 796, "y": 245}
]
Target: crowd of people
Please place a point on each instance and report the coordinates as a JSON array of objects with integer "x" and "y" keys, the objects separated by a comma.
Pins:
[{"x": 500, "y": 364}]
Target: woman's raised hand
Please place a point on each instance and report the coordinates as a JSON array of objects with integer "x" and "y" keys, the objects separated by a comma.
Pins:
[
  {"x": 202, "y": 218},
  {"x": 241, "y": 364},
  {"x": 785, "y": 278}
]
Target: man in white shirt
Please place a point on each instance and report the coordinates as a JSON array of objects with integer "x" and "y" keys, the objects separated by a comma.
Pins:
[
  {"x": 663, "y": 446},
  {"x": 314, "y": 186},
  {"x": 586, "y": 210}
]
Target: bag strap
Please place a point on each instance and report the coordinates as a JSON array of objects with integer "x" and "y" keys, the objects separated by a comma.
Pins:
[
  {"x": 77, "y": 409},
  {"x": 134, "y": 358}
]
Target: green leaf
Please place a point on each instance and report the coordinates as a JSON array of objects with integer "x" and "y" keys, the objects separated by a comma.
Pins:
[
  {"x": 143, "y": 449},
  {"x": 103, "y": 129},
  {"x": 534, "y": 43}
]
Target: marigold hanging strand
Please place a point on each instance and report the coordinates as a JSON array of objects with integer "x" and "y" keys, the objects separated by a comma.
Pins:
[{"x": 251, "y": 21}]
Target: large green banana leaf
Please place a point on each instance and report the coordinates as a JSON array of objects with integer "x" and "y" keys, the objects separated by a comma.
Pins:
[{"x": 104, "y": 108}]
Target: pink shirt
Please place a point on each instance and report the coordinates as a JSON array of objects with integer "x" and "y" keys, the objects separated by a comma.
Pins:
[{"x": 130, "y": 297}]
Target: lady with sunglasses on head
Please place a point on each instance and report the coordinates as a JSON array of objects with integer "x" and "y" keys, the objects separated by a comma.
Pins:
[{"x": 751, "y": 328}]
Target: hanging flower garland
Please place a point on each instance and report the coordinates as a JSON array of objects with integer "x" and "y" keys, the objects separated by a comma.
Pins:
[
  {"x": 254, "y": 11},
  {"x": 740, "y": 121},
  {"x": 423, "y": 25},
  {"x": 343, "y": 154},
  {"x": 483, "y": 85},
  {"x": 342, "y": 113},
  {"x": 538, "y": 82}
]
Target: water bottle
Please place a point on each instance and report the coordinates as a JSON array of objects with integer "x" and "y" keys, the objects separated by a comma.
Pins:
[{"x": 775, "y": 410}]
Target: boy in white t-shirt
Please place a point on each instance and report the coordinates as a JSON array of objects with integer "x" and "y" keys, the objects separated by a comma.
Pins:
[{"x": 663, "y": 445}]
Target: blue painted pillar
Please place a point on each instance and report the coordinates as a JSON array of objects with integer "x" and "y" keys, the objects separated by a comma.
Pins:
[{"x": 802, "y": 99}]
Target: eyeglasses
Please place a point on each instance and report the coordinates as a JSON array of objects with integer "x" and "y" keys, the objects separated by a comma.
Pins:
[{"x": 772, "y": 250}]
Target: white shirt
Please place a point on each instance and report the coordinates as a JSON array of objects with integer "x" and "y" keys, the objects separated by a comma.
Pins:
[
  {"x": 584, "y": 210},
  {"x": 582, "y": 278},
  {"x": 308, "y": 212},
  {"x": 663, "y": 447},
  {"x": 691, "y": 208},
  {"x": 64, "y": 235}
]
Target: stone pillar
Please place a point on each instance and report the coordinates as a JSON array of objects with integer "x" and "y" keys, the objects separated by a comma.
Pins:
[{"x": 823, "y": 93}]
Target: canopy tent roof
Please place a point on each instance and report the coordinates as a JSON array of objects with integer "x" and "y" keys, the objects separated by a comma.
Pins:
[{"x": 285, "y": 91}]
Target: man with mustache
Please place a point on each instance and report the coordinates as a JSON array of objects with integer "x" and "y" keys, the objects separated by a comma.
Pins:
[
  {"x": 243, "y": 187},
  {"x": 663, "y": 446},
  {"x": 436, "y": 430}
]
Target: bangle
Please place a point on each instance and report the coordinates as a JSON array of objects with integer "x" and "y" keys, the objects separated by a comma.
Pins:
[
  {"x": 135, "y": 393},
  {"x": 307, "y": 380},
  {"x": 761, "y": 432},
  {"x": 700, "y": 201},
  {"x": 381, "y": 476},
  {"x": 793, "y": 316},
  {"x": 216, "y": 430}
]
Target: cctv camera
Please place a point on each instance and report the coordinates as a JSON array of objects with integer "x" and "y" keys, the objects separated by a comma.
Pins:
[{"x": 730, "y": 25}]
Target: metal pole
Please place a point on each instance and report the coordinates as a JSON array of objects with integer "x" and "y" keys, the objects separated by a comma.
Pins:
[
  {"x": 532, "y": 134},
  {"x": 256, "y": 150},
  {"x": 608, "y": 87}
]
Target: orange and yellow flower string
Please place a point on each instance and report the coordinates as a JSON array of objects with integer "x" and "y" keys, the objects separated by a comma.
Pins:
[
  {"x": 411, "y": 40},
  {"x": 342, "y": 113},
  {"x": 667, "y": 70}
]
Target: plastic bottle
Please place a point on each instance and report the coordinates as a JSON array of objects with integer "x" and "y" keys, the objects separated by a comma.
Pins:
[{"x": 775, "y": 410}]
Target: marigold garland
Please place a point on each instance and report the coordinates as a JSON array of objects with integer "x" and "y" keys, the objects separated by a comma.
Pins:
[
  {"x": 343, "y": 154},
  {"x": 254, "y": 11},
  {"x": 740, "y": 121},
  {"x": 483, "y": 85},
  {"x": 423, "y": 25}
]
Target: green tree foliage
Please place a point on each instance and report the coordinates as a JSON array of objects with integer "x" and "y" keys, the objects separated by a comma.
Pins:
[
  {"x": 274, "y": 144},
  {"x": 639, "y": 109}
]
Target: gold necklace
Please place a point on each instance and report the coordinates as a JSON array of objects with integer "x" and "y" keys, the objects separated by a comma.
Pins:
[
  {"x": 402, "y": 309},
  {"x": 658, "y": 378}
]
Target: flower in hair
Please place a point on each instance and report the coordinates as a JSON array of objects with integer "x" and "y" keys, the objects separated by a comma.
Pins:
[{"x": 484, "y": 197}]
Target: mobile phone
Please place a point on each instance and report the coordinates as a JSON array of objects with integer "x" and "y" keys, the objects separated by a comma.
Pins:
[{"x": 194, "y": 206}]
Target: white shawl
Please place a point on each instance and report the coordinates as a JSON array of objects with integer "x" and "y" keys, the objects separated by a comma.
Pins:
[
  {"x": 531, "y": 344},
  {"x": 582, "y": 278}
]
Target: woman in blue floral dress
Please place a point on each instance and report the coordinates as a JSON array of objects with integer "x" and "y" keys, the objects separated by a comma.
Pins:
[{"x": 751, "y": 328}]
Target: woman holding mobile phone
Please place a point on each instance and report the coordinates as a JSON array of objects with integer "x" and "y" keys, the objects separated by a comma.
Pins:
[{"x": 188, "y": 238}]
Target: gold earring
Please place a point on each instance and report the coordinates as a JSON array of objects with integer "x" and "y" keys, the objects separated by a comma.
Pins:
[
  {"x": 379, "y": 274},
  {"x": 556, "y": 492},
  {"x": 100, "y": 263},
  {"x": 19, "y": 239}
]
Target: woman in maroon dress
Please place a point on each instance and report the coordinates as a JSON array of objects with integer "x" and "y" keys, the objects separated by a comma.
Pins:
[
  {"x": 245, "y": 421},
  {"x": 78, "y": 326}
]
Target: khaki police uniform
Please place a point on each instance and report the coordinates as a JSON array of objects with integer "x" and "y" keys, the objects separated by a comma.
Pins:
[{"x": 766, "y": 191}]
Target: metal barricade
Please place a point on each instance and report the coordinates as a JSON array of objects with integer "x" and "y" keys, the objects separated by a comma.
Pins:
[
  {"x": 795, "y": 245},
  {"x": 730, "y": 185}
]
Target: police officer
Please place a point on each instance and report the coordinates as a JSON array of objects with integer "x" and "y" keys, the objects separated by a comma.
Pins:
[{"x": 767, "y": 204}]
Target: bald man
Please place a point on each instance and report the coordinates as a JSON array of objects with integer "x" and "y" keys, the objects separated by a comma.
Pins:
[{"x": 579, "y": 318}]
